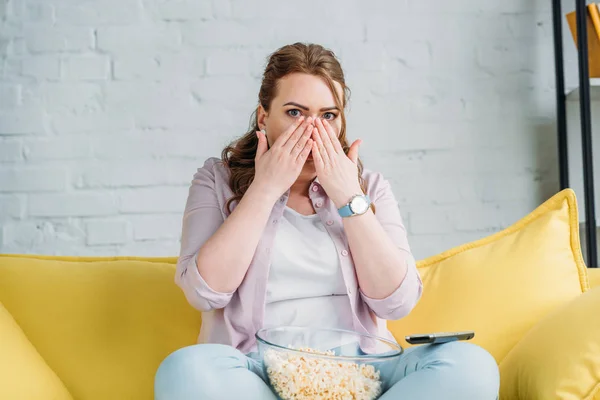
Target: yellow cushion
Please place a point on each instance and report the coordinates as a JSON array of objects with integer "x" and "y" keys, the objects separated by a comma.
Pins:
[
  {"x": 24, "y": 375},
  {"x": 594, "y": 276},
  {"x": 102, "y": 324},
  {"x": 560, "y": 357},
  {"x": 502, "y": 285}
]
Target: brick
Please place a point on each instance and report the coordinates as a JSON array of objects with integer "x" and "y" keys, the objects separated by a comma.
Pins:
[
  {"x": 132, "y": 145},
  {"x": 153, "y": 200},
  {"x": 158, "y": 68},
  {"x": 500, "y": 188},
  {"x": 505, "y": 55},
  {"x": 221, "y": 9},
  {"x": 31, "y": 95},
  {"x": 156, "y": 144},
  {"x": 21, "y": 122},
  {"x": 204, "y": 118},
  {"x": 383, "y": 7},
  {"x": 53, "y": 40},
  {"x": 423, "y": 246},
  {"x": 455, "y": 57},
  {"x": 39, "y": 13},
  {"x": 40, "y": 67},
  {"x": 32, "y": 179},
  {"x": 50, "y": 237},
  {"x": 143, "y": 39},
  {"x": 106, "y": 12},
  {"x": 218, "y": 90},
  {"x": 491, "y": 217},
  {"x": 147, "y": 98},
  {"x": 231, "y": 62},
  {"x": 433, "y": 108},
  {"x": 322, "y": 30},
  {"x": 275, "y": 10},
  {"x": 363, "y": 56},
  {"x": 474, "y": 7},
  {"x": 3, "y": 10},
  {"x": 10, "y": 95},
  {"x": 105, "y": 232},
  {"x": 72, "y": 97},
  {"x": 425, "y": 27},
  {"x": 57, "y": 148},
  {"x": 86, "y": 68},
  {"x": 10, "y": 151},
  {"x": 92, "y": 204},
  {"x": 428, "y": 221},
  {"x": 95, "y": 251},
  {"x": 23, "y": 234},
  {"x": 210, "y": 33},
  {"x": 92, "y": 122},
  {"x": 156, "y": 227},
  {"x": 129, "y": 174},
  {"x": 12, "y": 206},
  {"x": 183, "y": 10},
  {"x": 424, "y": 136},
  {"x": 133, "y": 67},
  {"x": 150, "y": 249}
]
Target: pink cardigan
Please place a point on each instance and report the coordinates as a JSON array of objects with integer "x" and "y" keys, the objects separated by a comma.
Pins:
[{"x": 233, "y": 318}]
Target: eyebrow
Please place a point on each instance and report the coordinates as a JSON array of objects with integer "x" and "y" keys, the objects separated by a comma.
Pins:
[{"x": 291, "y": 103}]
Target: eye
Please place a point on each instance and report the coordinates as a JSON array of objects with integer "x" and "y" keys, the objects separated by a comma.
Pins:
[
  {"x": 329, "y": 116},
  {"x": 294, "y": 112}
]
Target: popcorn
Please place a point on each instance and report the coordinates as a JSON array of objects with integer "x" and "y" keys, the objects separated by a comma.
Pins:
[{"x": 296, "y": 377}]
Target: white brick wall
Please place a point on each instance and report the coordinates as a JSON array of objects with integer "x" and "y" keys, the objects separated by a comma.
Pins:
[{"x": 108, "y": 107}]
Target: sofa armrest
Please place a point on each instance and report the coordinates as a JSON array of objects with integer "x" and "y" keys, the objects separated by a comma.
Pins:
[
  {"x": 559, "y": 357},
  {"x": 594, "y": 277}
]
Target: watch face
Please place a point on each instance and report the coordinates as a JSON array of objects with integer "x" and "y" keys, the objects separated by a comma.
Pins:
[{"x": 359, "y": 205}]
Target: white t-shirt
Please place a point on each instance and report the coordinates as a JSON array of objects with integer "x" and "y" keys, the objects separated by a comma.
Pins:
[{"x": 305, "y": 285}]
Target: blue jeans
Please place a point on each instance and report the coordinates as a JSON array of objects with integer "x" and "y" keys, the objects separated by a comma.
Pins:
[{"x": 454, "y": 370}]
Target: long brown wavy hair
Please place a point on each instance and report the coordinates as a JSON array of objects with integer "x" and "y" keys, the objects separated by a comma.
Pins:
[{"x": 311, "y": 59}]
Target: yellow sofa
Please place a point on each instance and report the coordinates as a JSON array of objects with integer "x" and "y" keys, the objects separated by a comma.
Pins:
[{"x": 97, "y": 327}]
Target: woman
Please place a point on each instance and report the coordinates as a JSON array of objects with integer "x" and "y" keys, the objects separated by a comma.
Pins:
[{"x": 288, "y": 229}]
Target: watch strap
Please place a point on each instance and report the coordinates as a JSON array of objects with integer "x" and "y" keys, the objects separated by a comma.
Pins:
[{"x": 346, "y": 211}]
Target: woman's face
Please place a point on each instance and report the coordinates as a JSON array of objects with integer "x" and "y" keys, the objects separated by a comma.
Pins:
[{"x": 299, "y": 95}]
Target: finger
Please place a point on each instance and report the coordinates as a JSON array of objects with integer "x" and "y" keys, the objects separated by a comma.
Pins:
[
  {"x": 262, "y": 145},
  {"x": 326, "y": 139},
  {"x": 333, "y": 136},
  {"x": 301, "y": 132},
  {"x": 281, "y": 140},
  {"x": 299, "y": 146},
  {"x": 317, "y": 157},
  {"x": 318, "y": 138},
  {"x": 305, "y": 151},
  {"x": 353, "y": 151}
]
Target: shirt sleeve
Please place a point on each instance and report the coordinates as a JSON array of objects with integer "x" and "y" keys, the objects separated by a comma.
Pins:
[
  {"x": 400, "y": 302},
  {"x": 201, "y": 219}
]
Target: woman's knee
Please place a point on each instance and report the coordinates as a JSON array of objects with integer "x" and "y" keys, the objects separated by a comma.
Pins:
[
  {"x": 195, "y": 368},
  {"x": 471, "y": 362}
]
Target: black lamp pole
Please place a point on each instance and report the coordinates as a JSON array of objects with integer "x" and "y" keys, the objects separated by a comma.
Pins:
[{"x": 585, "y": 118}]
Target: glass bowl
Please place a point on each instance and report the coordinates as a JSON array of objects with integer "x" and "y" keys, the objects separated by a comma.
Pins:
[{"x": 312, "y": 363}]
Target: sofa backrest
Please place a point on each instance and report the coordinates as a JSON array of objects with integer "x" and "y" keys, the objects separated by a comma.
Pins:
[{"x": 102, "y": 324}]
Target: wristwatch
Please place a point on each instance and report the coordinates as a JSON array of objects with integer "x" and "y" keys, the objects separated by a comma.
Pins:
[{"x": 358, "y": 205}]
